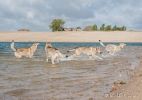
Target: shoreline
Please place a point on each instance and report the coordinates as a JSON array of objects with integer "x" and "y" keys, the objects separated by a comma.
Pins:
[
  {"x": 131, "y": 90},
  {"x": 80, "y": 36},
  {"x": 64, "y": 42}
]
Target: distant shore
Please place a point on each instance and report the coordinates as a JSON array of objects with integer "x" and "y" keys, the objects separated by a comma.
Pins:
[{"x": 80, "y": 36}]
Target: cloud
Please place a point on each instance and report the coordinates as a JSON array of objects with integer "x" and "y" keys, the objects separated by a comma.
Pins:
[{"x": 38, "y": 14}]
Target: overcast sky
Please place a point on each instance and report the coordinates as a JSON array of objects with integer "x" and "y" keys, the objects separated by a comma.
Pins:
[{"x": 38, "y": 14}]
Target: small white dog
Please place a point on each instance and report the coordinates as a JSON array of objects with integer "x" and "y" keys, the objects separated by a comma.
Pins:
[
  {"x": 111, "y": 48},
  {"x": 89, "y": 51},
  {"x": 24, "y": 52},
  {"x": 53, "y": 53}
]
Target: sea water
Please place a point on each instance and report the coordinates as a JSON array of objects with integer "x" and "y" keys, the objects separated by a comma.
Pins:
[{"x": 78, "y": 78}]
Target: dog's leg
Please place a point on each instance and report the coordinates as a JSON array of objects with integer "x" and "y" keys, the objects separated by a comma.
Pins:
[
  {"x": 53, "y": 59},
  {"x": 72, "y": 56},
  {"x": 112, "y": 53},
  {"x": 90, "y": 56},
  {"x": 58, "y": 60},
  {"x": 75, "y": 55},
  {"x": 30, "y": 56},
  {"x": 46, "y": 59}
]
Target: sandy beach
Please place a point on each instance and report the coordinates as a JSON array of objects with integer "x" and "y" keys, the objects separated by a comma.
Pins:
[{"x": 81, "y": 36}]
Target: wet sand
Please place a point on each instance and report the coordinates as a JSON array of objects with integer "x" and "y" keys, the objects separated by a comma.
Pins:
[
  {"x": 130, "y": 91},
  {"x": 81, "y": 36}
]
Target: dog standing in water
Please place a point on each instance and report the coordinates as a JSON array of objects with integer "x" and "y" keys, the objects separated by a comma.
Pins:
[
  {"x": 53, "y": 53},
  {"x": 111, "y": 48},
  {"x": 90, "y": 51},
  {"x": 24, "y": 52}
]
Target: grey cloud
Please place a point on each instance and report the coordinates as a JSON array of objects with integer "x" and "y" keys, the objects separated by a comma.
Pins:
[
  {"x": 70, "y": 9},
  {"x": 37, "y": 14}
]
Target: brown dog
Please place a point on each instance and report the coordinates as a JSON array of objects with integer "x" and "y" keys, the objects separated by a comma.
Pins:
[
  {"x": 24, "y": 52},
  {"x": 90, "y": 51},
  {"x": 53, "y": 53}
]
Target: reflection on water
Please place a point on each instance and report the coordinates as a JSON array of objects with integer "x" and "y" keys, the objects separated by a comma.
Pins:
[{"x": 34, "y": 79}]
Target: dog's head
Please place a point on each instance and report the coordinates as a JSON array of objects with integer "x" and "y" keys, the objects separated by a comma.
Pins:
[
  {"x": 34, "y": 47},
  {"x": 122, "y": 45},
  {"x": 48, "y": 44},
  {"x": 35, "y": 44},
  {"x": 12, "y": 41}
]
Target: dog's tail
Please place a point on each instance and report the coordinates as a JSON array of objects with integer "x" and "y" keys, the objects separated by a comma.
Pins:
[
  {"x": 12, "y": 46},
  {"x": 101, "y": 43}
]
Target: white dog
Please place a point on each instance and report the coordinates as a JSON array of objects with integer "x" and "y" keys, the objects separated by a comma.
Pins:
[
  {"x": 24, "y": 52},
  {"x": 53, "y": 53},
  {"x": 111, "y": 48},
  {"x": 89, "y": 51}
]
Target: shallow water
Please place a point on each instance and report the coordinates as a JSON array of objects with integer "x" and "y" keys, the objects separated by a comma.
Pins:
[{"x": 76, "y": 79}]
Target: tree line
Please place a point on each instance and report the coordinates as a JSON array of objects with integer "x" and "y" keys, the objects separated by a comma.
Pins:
[
  {"x": 104, "y": 27},
  {"x": 58, "y": 25}
]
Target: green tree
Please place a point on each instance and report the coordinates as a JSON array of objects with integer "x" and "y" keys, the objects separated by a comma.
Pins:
[
  {"x": 124, "y": 28},
  {"x": 108, "y": 28},
  {"x": 114, "y": 28},
  {"x": 102, "y": 28},
  {"x": 57, "y": 25},
  {"x": 94, "y": 27},
  {"x": 88, "y": 28}
]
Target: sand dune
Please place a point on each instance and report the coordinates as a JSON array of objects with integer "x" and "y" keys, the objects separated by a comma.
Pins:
[{"x": 72, "y": 36}]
